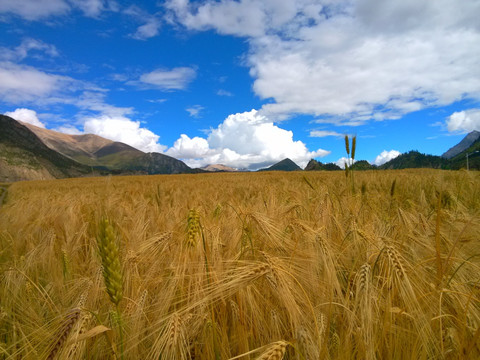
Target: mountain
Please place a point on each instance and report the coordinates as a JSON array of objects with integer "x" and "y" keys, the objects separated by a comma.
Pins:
[
  {"x": 284, "y": 165},
  {"x": 218, "y": 168},
  {"x": 460, "y": 161},
  {"x": 314, "y": 165},
  {"x": 363, "y": 165},
  {"x": 93, "y": 150},
  {"x": 463, "y": 145},
  {"x": 23, "y": 156},
  {"x": 414, "y": 159}
]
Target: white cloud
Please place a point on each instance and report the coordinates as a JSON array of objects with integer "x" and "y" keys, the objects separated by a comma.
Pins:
[
  {"x": 91, "y": 8},
  {"x": 243, "y": 140},
  {"x": 190, "y": 148},
  {"x": 240, "y": 18},
  {"x": 175, "y": 79},
  {"x": 20, "y": 83},
  {"x": 42, "y": 9},
  {"x": 386, "y": 156},
  {"x": 343, "y": 160},
  {"x": 223, "y": 92},
  {"x": 195, "y": 110},
  {"x": 26, "y": 115},
  {"x": 147, "y": 30},
  {"x": 23, "y": 50},
  {"x": 352, "y": 60},
  {"x": 464, "y": 121},
  {"x": 124, "y": 130},
  {"x": 151, "y": 23},
  {"x": 34, "y": 9},
  {"x": 95, "y": 101},
  {"x": 68, "y": 129},
  {"x": 325, "y": 133}
]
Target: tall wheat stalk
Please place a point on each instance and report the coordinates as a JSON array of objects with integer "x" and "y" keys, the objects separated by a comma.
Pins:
[{"x": 109, "y": 251}]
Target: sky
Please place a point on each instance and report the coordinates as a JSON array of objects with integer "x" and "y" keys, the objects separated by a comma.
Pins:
[{"x": 247, "y": 83}]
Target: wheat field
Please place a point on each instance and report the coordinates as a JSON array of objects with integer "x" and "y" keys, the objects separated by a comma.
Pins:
[{"x": 242, "y": 266}]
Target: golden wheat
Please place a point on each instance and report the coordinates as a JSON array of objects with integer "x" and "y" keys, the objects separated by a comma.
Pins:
[{"x": 216, "y": 266}]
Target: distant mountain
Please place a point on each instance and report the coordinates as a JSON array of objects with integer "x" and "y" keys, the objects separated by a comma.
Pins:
[
  {"x": 415, "y": 159},
  {"x": 462, "y": 145},
  {"x": 363, "y": 165},
  {"x": 460, "y": 161},
  {"x": 314, "y": 165},
  {"x": 94, "y": 150},
  {"x": 284, "y": 165},
  {"x": 218, "y": 168},
  {"x": 23, "y": 156}
]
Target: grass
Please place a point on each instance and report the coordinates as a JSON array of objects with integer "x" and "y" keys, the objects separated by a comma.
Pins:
[{"x": 242, "y": 266}]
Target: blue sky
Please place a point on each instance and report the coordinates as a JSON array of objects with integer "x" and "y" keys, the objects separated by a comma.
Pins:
[{"x": 246, "y": 83}]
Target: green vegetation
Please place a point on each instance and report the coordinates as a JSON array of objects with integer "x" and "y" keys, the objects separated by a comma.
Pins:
[
  {"x": 414, "y": 159},
  {"x": 460, "y": 161},
  {"x": 284, "y": 165},
  {"x": 314, "y": 165},
  {"x": 363, "y": 165}
]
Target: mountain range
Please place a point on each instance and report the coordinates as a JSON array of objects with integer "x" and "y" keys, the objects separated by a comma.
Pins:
[
  {"x": 96, "y": 151},
  {"x": 28, "y": 152},
  {"x": 218, "y": 168},
  {"x": 23, "y": 156},
  {"x": 453, "y": 159}
]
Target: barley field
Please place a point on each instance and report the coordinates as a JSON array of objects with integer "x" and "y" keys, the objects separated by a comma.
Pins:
[{"x": 385, "y": 265}]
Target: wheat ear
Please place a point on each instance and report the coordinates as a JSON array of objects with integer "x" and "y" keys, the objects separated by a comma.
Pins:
[
  {"x": 275, "y": 351},
  {"x": 70, "y": 320},
  {"x": 110, "y": 255},
  {"x": 193, "y": 227}
]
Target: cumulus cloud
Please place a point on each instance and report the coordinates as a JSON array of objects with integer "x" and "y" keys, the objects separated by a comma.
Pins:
[
  {"x": 190, "y": 148},
  {"x": 244, "y": 140},
  {"x": 352, "y": 60},
  {"x": 464, "y": 121},
  {"x": 124, "y": 130},
  {"x": 174, "y": 79},
  {"x": 344, "y": 160},
  {"x": 26, "y": 115},
  {"x": 386, "y": 156}
]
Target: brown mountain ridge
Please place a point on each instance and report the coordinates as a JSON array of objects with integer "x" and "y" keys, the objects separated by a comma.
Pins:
[{"x": 22, "y": 146}]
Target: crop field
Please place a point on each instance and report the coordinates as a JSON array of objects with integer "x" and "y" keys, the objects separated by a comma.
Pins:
[{"x": 300, "y": 265}]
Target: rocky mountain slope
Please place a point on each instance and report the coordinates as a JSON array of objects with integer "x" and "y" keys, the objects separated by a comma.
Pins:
[
  {"x": 23, "y": 156},
  {"x": 94, "y": 150},
  {"x": 463, "y": 145}
]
